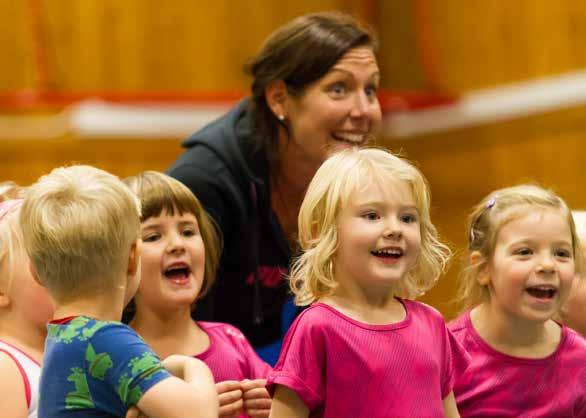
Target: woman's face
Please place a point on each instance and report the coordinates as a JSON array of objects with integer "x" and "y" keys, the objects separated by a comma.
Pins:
[{"x": 336, "y": 111}]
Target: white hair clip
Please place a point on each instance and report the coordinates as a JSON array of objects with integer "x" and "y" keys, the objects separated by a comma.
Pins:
[{"x": 491, "y": 202}]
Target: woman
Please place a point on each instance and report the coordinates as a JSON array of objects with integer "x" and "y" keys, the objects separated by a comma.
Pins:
[{"x": 313, "y": 92}]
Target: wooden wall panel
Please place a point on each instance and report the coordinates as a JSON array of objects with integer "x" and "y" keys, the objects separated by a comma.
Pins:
[
  {"x": 16, "y": 70},
  {"x": 24, "y": 161},
  {"x": 479, "y": 43},
  {"x": 148, "y": 44}
]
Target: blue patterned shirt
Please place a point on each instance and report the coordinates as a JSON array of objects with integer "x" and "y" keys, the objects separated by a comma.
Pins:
[{"x": 95, "y": 368}]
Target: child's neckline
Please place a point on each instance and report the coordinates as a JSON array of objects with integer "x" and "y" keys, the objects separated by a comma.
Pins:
[
  {"x": 64, "y": 320},
  {"x": 509, "y": 357},
  {"x": 365, "y": 325},
  {"x": 21, "y": 350},
  {"x": 209, "y": 350}
]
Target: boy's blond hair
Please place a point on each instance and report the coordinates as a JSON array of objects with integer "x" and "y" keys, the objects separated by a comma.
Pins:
[
  {"x": 160, "y": 193},
  {"x": 340, "y": 176},
  {"x": 79, "y": 224},
  {"x": 486, "y": 220}
]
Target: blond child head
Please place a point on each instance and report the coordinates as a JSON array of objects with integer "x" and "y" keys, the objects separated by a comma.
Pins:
[
  {"x": 331, "y": 189},
  {"x": 10, "y": 237},
  {"x": 10, "y": 234},
  {"x": 158, "y": 194},
  {"x": 23, "y": 302},
  {"x": 79, "y": 225},
  {"x": 486, "y": 220}
]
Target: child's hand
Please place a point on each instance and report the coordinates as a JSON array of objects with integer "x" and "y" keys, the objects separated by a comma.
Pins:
[
  {"x": 257, "y": 401},
  {"x": 134, "y": 412},
  {"x": 230, "y": 397}
]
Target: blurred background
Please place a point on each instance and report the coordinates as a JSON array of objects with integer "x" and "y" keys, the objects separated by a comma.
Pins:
[{"x": 480, "y": 94}]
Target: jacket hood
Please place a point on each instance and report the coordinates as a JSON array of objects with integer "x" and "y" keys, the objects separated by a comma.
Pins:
[{"x": 237, "y": 155}]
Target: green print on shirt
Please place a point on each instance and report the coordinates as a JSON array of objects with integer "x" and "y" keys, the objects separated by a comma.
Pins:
[
  {"x": 69, "y": 332},
  {"x": 98, "y": 364},
  {"x": 75, "y": 330},
  {"x": 80, "y": 398},
  {"x": 144, "y": 366},
  {"x": 88, "y": 333}
]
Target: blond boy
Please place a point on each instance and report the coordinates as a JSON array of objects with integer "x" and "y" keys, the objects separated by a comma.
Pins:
[{"x": 81, "y": 231}]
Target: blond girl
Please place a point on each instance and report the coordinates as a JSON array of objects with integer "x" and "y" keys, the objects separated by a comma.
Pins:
[
  {"x": 25, "y": 309},
  {"x": 523, "y": 255},
  {"x": 364, "y": 347}
]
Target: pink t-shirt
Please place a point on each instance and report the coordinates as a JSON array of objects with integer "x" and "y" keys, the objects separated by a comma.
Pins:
[
  {"x": 230, "y": 356},
  {"x": 499, "y": 385},
  {"x": 340, "y": 367}
]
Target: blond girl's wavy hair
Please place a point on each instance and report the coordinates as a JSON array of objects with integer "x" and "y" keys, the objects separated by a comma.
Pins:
[
  {"x": 330, "y": 191},
  {"x": 486, "y": 220}
]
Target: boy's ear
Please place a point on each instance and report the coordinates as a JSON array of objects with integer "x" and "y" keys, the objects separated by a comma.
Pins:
[
  {"x": 33, "y": 271},
  {"x": 478, "y": 259},
  {"x": 276, "y": 96},
  {"x": 134, "y": 258}
]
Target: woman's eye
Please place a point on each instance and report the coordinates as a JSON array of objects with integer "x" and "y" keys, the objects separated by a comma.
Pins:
[
  {"x": 371, "y": 91},
  {"x": 338, "y": 89}
]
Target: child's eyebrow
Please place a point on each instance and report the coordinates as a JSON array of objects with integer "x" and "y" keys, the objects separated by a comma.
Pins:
[
  {"x": 530, "y": 241},
  {"x": 378, "y": 203}
]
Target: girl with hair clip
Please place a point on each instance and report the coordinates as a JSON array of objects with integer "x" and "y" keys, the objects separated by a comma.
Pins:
[
  {"x": 25, "y": 309},
  {"x": 364, "y": 348},
  {"x": 180, "y": 254},
  {"x": 523, "y": 255}
]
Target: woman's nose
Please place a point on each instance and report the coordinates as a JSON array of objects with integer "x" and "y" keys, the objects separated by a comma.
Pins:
[{"x": 360, "y": 105}]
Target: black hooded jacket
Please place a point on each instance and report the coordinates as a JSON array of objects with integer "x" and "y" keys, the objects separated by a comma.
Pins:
[{"x": 232, "y": 183}]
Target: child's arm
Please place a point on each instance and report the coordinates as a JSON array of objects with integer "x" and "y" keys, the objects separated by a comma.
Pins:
[
  {"x": 12, "y": 388},
  {"x": 194, "y": 396},
  {"x": 286, "y": 404},
  {"x": 257, "y": 401},
  {"x": 230, "y": 397},
  {"x": 450, "y": 409}
]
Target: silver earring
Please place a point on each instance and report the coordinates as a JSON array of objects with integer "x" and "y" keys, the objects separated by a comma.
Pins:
[{"x": 281, "y": 117}]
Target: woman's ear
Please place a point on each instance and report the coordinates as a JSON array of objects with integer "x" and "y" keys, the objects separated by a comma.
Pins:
[
  {"x": 477, "y": 259},
  {"x": 276, "y": 96}
]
